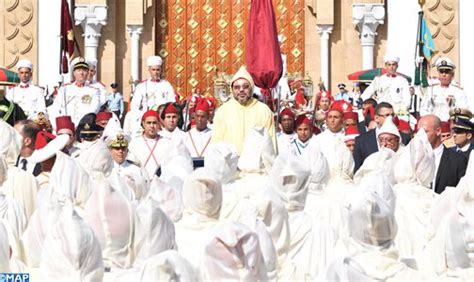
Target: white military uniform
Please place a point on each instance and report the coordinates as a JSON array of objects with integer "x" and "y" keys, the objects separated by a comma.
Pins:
[
  {"x": 197, "y": 142},
  {"x": 393, "y": 89},
  {"x": 76, "y": 101},
  {"x": 177, "y": 135},
  {"x": 151, "y": 93},
  {"x": 29, "y": 97},
  {"x": 438, "y": 100},
  {"x": 285, "y": 142},
  {"x": 102, "y": 90},
  {"x": 149, "y": 152}
]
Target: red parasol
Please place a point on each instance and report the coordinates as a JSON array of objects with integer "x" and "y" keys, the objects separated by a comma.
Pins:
[{"x": 263, "y": 54}]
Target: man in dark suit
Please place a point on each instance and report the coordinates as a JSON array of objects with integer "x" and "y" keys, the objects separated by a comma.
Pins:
[
  {"x": 462, "y": 136},
  {"x": 450, "y": 166},
  {"x": 28, "y": 129},
  {"x": 366, "y": 143}
]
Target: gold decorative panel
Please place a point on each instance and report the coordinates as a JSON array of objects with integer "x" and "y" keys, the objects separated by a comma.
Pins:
[{"x": 196, "y": 37}]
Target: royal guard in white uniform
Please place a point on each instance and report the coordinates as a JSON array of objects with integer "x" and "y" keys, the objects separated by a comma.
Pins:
[
  {"x": 93, "y": 82},
  {"x": 441, "y": 97},
  {"x": 149, "y": 149},
  {"x": 136, "y": 177},
  {"x": 153, "y": 91},
  {"x": 170, "y": 118},
  {"x": 198, "y": 138},
  {"x": 77, "y": 99},
  {"x": 390, "y": 87},
  {"x": 28, "y": 96},
  {"x": 287, "y": 134}
]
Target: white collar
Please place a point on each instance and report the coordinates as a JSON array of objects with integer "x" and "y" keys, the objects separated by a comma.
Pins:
[
  {"x": 439, "y": 150},
  {"x": 465, "y": 147}
]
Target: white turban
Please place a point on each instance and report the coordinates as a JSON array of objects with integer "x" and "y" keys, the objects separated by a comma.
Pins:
[
  {"x": 233, "y": 253},
  {"x": 154, "y": 61},
  {"x": 202, "y": 195},
  {"x": 389, "y": 127},
  {"x": 71, "y": 250},
  {"x": 24, "y": 63},
  {"x": 391, "y": 58},
  {"x": 372, "y": 220},
  {"x": 258, "y": 153},
  {"x": 290, "y": 176},
  {"x": 154, "y": 233}
]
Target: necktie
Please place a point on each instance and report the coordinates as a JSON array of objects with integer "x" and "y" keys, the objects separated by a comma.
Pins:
[{"x": 23, "y": 164}]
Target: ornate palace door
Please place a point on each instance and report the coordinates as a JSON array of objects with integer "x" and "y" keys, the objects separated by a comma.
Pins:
[{"x": 198, "y": 37}]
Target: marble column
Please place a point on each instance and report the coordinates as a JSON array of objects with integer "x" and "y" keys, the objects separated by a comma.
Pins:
[
  {"x": 135, "y": 31},
  {"x": 324, "y": 31},
  {"x": 367, "y": 17},
  {"x": 92, "y": 18}
]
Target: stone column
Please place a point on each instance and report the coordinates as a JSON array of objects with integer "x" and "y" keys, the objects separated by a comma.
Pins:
[
  {"x": 135, "y": 31},
  {"x": 324, "y": 31},
  {"x": 92, "y": 18},
  {"x": 367, "y": 18}
]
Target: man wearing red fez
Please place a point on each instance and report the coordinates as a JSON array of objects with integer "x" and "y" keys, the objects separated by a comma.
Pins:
[
  {"x": 446, "y": 134},
  {"x": 323, "y": 103},
  {"x": 287, "y": 131},
  {"x": 64, "y": 125},
  {"x": 103, "y": 118},
  {"x": 304, "y": 132},
  {"x": 334, "y": 133},
  {"x": 198, "y": 138},
  {"x": 149, "y": 148},
  {"x": 171, "y": 117},
  {"x": 351, "y": 133},
  {"x": 350, "y": 119}
]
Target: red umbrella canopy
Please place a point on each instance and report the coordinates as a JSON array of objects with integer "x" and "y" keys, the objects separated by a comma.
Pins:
[
  {"x": 8, "y": 77},
  {"x": 263, "y": 54},
  {"x": 369, "y": 75}
]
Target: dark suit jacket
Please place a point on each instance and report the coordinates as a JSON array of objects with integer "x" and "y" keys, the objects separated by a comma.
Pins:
[
  {"x": 366, "y": 144},
  {"x": 465, "y": 154},
  {"x": 36, "y": 169},
  {"x": 452, "y": 167}
]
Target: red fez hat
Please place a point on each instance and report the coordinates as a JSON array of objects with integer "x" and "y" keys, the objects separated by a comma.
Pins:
[
  {"x": 202, "y": 105},
  {"x": 150, "y": 113},
  {"x": 64, "y": 122},
  {"x": 403, "y": 125},
  {"x": 445, "y": 127},
  {"x": 351, "y": 115},
  {"x": 170, "y": 109},
  {"x": 287, "y": 112},
  {"x": 212, "y": 102},
  {"x": 300, "y": 99},
  {"x": 103, "y": 116},
  {"x": 302, "y": 119},
  {"x": 342, "y": 105},
  {"x": 336, "y": 106},
  {"x": 351, "y": 133},
  {"x": 325, "y": 94},
  {"x": 42, "y": 139}
]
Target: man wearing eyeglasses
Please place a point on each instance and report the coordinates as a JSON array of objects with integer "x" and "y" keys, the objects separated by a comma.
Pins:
[
  {"x": 441, "y": 97},
  {"x": 237, "y": 117},
  {"x": 367, "y": 143}
]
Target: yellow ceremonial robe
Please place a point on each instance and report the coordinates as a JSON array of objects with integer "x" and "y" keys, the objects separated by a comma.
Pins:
[{"x": 234, "y": 121}]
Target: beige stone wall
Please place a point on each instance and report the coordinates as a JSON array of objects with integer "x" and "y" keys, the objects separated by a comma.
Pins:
[
  {"x": 345, "y": 50},
  {"x": 18, "y": 33},
  {"x": 442, "y": 18}
]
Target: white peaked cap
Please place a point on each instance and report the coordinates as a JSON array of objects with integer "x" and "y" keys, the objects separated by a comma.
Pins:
[
  {"x": 154, "y": 61},
  {"x": 389, "y": 127},
  {"x": 202, "y": 194},
  {"x": 391, "y": 58},
  {"x": 24, "y": 63},
  {"x": 232, "y": 252},
  {"x": 372, "y": 220}
]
